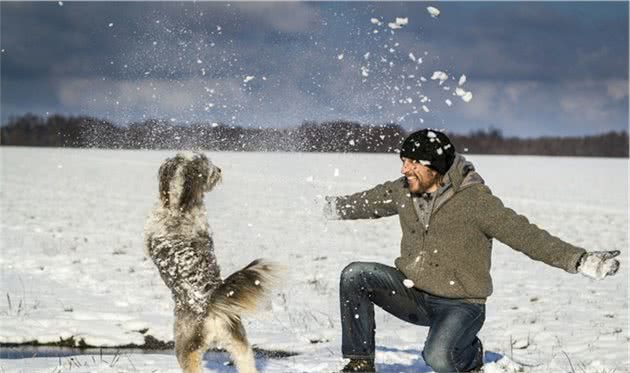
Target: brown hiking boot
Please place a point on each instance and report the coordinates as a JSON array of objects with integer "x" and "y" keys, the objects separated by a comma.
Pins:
[{"x": 360, "y": 365}]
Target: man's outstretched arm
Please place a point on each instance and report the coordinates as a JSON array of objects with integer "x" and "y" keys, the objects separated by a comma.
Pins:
[
  {"x": 374, "y": 203},
  {"x": 516, "y": 231}
]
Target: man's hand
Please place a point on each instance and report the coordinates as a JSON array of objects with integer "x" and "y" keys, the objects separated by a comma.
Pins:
[
  {"x": 599, "y": 264},
  {"x": 330, "y": 208}
]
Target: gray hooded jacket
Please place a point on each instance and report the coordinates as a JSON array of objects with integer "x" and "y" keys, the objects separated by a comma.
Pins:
[{"x": 446, "y": 247}]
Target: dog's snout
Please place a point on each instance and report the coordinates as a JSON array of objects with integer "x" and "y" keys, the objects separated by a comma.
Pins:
[{"x": 219, "y": 169}]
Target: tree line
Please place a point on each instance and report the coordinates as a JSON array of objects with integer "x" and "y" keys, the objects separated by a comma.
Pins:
[{"x": 310, "y": 136}]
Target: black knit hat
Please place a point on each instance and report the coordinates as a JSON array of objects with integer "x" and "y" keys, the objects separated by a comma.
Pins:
[{"x": 431, "y": 148}]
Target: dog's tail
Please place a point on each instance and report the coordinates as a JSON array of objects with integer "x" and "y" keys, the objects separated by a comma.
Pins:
[{"x": 242, "y": 290}]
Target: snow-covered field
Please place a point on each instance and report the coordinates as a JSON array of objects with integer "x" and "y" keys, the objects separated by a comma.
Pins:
[{"x": 72, "y": 262}]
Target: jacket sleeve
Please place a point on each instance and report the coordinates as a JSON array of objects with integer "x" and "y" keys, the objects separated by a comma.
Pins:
[
  {"x": 374, "y": 203},
  {"x": 514, "y": 230}
]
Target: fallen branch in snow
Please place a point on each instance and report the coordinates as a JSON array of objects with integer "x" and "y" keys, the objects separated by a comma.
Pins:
[{"x": 570, "y": 363}]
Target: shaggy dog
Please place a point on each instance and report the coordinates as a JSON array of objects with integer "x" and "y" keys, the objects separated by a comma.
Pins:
[{"x": 178, "y": 240}]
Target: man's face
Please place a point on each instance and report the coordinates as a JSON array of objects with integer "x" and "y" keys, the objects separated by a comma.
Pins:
[{"x": 420, "y": 178}]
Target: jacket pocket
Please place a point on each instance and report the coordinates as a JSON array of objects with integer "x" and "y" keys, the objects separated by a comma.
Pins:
[{"x": 463, "y": 283}]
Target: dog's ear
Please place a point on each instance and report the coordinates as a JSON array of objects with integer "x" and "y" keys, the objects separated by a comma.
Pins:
[
  {"x": 165, "y": 175},
  {"x": 195, "y": 174}
]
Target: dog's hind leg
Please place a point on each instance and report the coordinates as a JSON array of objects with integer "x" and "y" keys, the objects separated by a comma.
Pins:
[
  {"x": 189, "y": 345},
  {"x": 239, "y": 348},
  {"x": 190, "y": 361}
]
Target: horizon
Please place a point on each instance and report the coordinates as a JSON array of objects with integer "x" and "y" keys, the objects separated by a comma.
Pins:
[
  {"x": 544, "y": 69},
  {"x": 186, "y": 124}
]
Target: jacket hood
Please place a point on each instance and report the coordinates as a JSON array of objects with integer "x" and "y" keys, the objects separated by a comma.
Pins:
[{"x": 461, "y": 174}]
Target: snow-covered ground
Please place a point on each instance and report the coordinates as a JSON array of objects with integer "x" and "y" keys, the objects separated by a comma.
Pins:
[{"x": 72, "y": 262}]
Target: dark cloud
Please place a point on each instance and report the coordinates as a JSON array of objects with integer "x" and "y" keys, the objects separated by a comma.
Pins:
[{"x": 533, "y": 68}]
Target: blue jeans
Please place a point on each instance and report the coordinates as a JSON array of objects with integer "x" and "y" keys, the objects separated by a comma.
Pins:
[{"x": 452, "y": 344}]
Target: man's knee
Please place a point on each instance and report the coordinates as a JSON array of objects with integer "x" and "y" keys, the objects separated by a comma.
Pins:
[
  {"x": 351, "y": 272},
  {"x": 439, "y": 359}
]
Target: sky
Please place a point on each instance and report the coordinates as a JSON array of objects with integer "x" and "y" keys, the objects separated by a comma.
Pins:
[{"x": 532, "y": 68}]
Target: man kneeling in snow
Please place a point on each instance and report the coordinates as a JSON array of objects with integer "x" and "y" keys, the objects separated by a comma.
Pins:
[{"x": 442, "y": 276}]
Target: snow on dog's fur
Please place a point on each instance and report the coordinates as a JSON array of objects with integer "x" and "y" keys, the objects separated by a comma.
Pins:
[{"x": 178, "y": 240}]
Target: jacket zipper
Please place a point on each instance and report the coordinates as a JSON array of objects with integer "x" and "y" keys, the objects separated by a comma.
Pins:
[{"x": 416, "y": 208}]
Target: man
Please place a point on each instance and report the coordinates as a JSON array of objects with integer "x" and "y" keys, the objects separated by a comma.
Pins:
[{"x": 442, "y": 276}]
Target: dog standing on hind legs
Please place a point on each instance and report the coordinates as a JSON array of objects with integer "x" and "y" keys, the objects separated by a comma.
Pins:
[{"x": 179, "y": 241}]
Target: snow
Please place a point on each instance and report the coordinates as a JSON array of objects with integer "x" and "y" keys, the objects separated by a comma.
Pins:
[
  {"x": 72, "y": 260},
  {"x": 465, "y": 95},
  {"x": 402, "y": 21},
  {"x": 439, "y": 75},
  {"x": 434, "y": 12},
  {"x": 398, "y": 23}
]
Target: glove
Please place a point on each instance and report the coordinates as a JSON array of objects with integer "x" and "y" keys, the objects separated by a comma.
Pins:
[
  {"x": 330, "y": 208},
  {"x": 599, "y": 264}
]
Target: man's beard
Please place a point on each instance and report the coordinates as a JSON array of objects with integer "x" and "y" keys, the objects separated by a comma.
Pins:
[{"x": 421, "y": 185}]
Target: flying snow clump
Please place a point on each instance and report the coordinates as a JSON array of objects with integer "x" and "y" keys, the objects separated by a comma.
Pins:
[
  {"x": 434, "y": 12},
  {"x": 399, "y": 23},
  {"x": 465, "y": 95},
  {"x": 402, "y": 21},
  {"x": 439, "y": 75}
]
